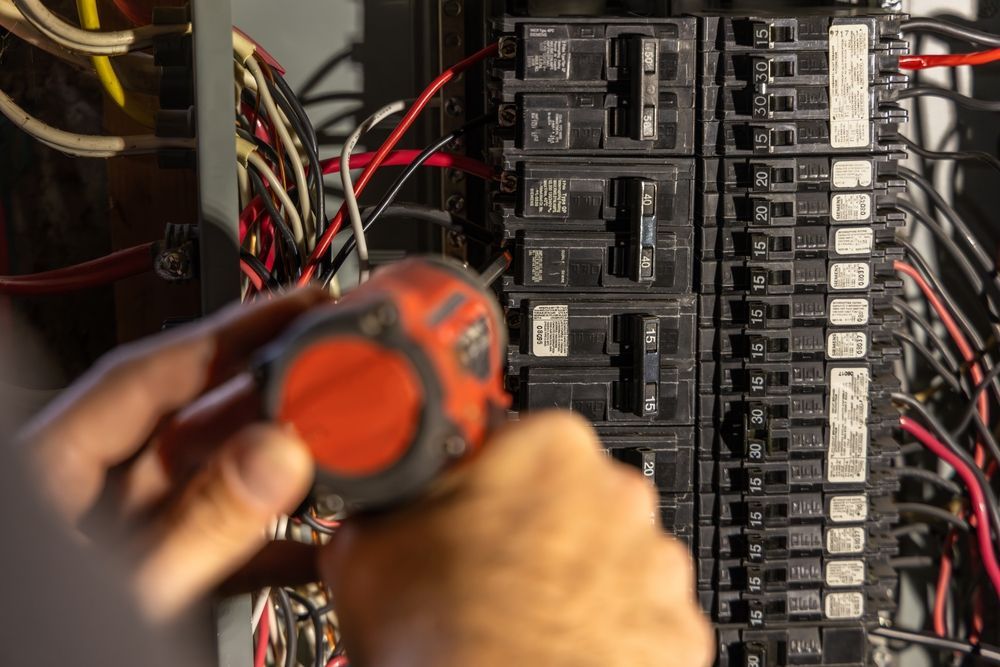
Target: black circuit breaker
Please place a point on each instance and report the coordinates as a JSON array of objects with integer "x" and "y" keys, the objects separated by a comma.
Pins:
[{"x": 701, "y": 212}]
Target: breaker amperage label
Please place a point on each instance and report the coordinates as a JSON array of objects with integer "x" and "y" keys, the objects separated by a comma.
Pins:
[
  {"x": 851, "y": 207},
  {"x": 847, "y": 451},
  {"x": 850, "y": 125},
  {"x": 848, "y": 312},
  {"x": 844, "y": 573},
  {"x": 848, "y": 509},
  {"x": 845, "y": 540},
  {"x": 844, "y": 605},
  {"x": 846, "y": 345},
  {"x": 854, "y": 240},
  {"x": 550, "y": 331},
  {"x": 849, "y": 276},
  {"x": 852, "y": 174}
]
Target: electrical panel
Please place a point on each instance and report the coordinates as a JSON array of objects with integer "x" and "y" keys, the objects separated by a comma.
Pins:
[{"x": 701, "y": 212}]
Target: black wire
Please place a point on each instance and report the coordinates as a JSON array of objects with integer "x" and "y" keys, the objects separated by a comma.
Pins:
[
  {"x": 930, "y": 477},
  {"x": 981, "y": 156},
  {"x": 914, "y": 317},
  {"x": 963, "y": 260},
  {"x": 966, "y": 235},
  {"x": 985, "y": 652},
  {"x": 949, "y": 442},
  {"x": 971, "y": 411},
  {"x": 972, "y": 103},
  {"x": 911, "y": 529},
  {"x": 933, "y": 512},
  {"x": 319, "y": 657},
  {"x": 957, "y": 313},
  {"x": 912, "y": 562},
  {"x": 258, "y": 267},
  {"x": 291, "y": 630},
  {"x": 303, "y": 126},
  {"x": 943, "y": 372},
  {"x": 395, "y": 189},
  {"x": 951, "y": 30},
  {"x": 288, "y": 238},
  {"x": 311, "y": 521}
]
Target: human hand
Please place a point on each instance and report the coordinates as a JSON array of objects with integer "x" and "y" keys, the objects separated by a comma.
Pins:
[
  {"x": 190, "y": 531},
  {"x": 539, "y": 552}
]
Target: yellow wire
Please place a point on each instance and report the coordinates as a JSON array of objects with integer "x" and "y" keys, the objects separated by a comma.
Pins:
[{"x": 90, "y": 20}]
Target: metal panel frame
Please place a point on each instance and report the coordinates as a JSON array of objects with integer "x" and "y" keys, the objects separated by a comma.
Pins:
[{"x": 218, "y": 193}]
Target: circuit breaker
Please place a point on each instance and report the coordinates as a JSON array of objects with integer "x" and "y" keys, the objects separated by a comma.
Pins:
[{"x": 701, "y": 213}]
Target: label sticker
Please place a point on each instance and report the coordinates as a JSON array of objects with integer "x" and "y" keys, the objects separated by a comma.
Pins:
[
  {"x": 549, "y": 196},
  {"x": 850, "y": 126},
  {"x": 845, "y": 509},
  {"x": 844, "y": 605},
  {"x": 854, "y": 241},
  {"x": 845, "y": 573},
  {"x": 847, "y": 345},
  {"x": 845, "y": 540},
  {"x": 848, "y": 447},
  {"x": 849, "y": 275},
  {"x": 550, "y": 331},
  {"x": 852, "y": 207},
  {"x": 549, "y": 56},
  {"x": 848, "y": 312},
  {"x": 852, "y": 174}
]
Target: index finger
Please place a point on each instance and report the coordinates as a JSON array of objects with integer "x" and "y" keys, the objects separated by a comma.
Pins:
[{"x": 105, "y": 417}]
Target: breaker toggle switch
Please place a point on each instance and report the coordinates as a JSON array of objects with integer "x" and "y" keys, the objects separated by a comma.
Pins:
[
  {"x": 642, "y": 209},
  {"x": 643, "y": 61}
]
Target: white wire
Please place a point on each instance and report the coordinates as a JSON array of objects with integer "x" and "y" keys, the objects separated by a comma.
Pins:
[
  {"x": 280, "y": 124},
  {"x": 350, "y": 198},
  {"x": 260, "y": 607},
  {"x": 85, "y": 145},
  {"x": 258, "y": 163},
  {"x": 102, "y": 43}
]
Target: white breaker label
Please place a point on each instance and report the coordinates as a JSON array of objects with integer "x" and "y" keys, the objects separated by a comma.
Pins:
[
  {"x": 851, "y": 207},
  {"x": 852, "y": 174},
  {"x": 847, "y": 509},
  {"x": 849, "y": 121},
  {"x": 845, "y": 540},
  {"x": 844, "y": 573},
  {"x": 553, "y": 54},
  {"x": 550, "y": 331},
  {"x": 847, "y": 345},
  {"x": 550, "y": 196},
  {"x": 848, "y": 312},
  {"x": 854, "y": 241},
  {"x": 849, "y": 275},
  {"x": 844, "y": 605},
  {"x": 848, "y": 448}
]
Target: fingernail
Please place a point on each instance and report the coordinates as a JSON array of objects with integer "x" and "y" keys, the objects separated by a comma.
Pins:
[{"x": 272, "y": 465}]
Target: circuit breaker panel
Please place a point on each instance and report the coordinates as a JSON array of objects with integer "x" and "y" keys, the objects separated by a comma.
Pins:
[{"x": 701, "y": 214}]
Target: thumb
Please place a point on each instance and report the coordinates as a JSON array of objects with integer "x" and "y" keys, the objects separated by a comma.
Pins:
[{"x": 219, "y": 522}]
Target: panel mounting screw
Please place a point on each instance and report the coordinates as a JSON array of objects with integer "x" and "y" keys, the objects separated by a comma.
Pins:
[
  {"x": 453, "y": 8},
  {"x": 454, "y": 106},
  {"x": 507, "y": 47},
  {"x": 508, "y": 115},
  {"x": 456, "y": 203}
]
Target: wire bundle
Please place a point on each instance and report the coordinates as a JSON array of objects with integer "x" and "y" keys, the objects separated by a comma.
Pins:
[{"x": 949, "y": 458}]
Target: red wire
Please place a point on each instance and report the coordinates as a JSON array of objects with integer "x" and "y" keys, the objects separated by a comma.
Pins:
[
  {"x": 976, "y": 496},
  {"x": 425, "y": 97},
  {"x": 108, "y": 269},
  {"x": 338, "y": 661},
  {"x": 252, "y": 276},
  {"x": 943, "y": 582},
  {"x": 134, "y": 14},
  {"x": 264, "y": 628},
  {"x": 949, "y": 60},
  {"x": 975, "y": 370}
]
